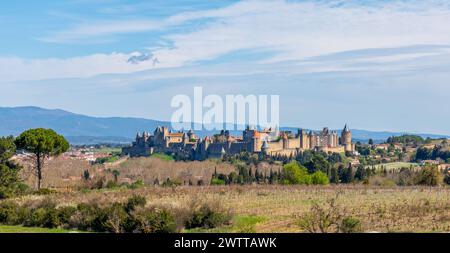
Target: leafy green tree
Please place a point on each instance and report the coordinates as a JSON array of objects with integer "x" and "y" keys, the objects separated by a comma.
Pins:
[
  {"x": 7, "y": 148},
  {"x": 335, "y": 158},
  {"x": 42, "y": 143},
  {"x": 293, "y": 173},
  {"x": 361, "y": 173},
  {"x": 318, "y": 163},
  {"x": 9, "y": 171},
  {"x": 319, "y": 177},
  {"x": 346, "y": 175}
]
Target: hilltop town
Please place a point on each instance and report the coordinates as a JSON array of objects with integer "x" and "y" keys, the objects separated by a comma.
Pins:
[{"x": 270, "y": 142}]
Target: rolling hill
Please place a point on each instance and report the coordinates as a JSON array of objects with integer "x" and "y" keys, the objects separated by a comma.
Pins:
[{"x": 82, "y": 129}]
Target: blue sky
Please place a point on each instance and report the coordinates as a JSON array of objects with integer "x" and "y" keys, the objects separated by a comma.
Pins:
[{"x": 377, "y": 65}]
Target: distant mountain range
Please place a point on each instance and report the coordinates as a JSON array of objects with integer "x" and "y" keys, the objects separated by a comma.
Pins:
[{"x": 82, "y": 129}]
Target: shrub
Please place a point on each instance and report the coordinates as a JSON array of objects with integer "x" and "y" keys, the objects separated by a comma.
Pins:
[
  {"x": 84, "y": 216},
  {"x": 320, "y": 178},
  {"x": 44, "y": 215},
  {"x": 65, "y": 213},
  {"x": 206, "y": 215},
  {"x": 5, "y": 192},
  {"x": 429, "y": 175},
  {"x": 7, "y": 211},
  {"x": 111, "y": 219},
  {"x": 106, "y": 219},
  {"x": 327, "y": 218},
  {"x": 109, "y": 159},
  {"x": 134, "y": 202},
  {"x": 351, "y": 225},
  {"x": 217, "y": 181},
  {"x": 405, "y": 177},
  {"x": 151, "y": 221},
  {"x": 13, "y": 190},
  {"x": 13, "y": 214},
  {"x": 36, "y": 218},
  {"x": 131, "y": 216}
]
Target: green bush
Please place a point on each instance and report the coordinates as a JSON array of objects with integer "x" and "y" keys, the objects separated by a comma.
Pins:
[
  {"x": 7, "y": 211},
  {"x": 135, "y": 201},
  {"x": 217, "y": 181},
  {"x": 6, "y": 192},
  {"x": 293, "y": 173},
  {"x": 429, "y": 175},
  {"x": 150, "y": 221},
  {"x": 43, "y": 217},
  {"x": 36, "y": 218},
  {"x": 109, "y": 159},
  {"x": 319, "y": 178},
  {"x": 351, "y": 225},
  {"x": 205, "y": 216},
  {"x": 65, "y": 213},
  {"x": 84, "y": 216},
  {"x": 111, "y": 219},
  {"x": 131, "y": 216}
]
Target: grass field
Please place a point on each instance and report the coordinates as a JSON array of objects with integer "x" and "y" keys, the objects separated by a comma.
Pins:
[
  {"x": 107, "y": 150},
  {"x": 20, "y": 229},
  {"x": 266, "y": 208}
]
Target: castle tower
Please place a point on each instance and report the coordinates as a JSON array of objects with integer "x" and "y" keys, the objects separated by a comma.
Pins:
[
  {"x": 256, "y": 141},
  {"x": 285, "y": 141},
  {"x": 312, "y": 140},
  {"x": 346, "y": 139},
  {"x": 265, "y": 147}
]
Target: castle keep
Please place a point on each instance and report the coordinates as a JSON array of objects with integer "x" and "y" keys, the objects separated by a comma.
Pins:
[{"x": 268, "y": 141}]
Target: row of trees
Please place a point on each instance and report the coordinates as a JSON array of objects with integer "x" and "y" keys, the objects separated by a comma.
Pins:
[
  {"x": 433, "y": 154},
  {"x": 291, "y": 173},
  {"x": 408, "y": 139}
]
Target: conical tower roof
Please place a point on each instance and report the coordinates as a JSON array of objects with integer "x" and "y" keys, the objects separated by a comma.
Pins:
[
  {"x": 346, "y": 129},
  {"x": 265, "y": 145}
]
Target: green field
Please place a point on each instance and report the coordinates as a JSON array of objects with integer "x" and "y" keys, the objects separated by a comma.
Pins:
[
  {"x": 394, "y": 166},
  {"x": 107, "y": 150},
  {"x": 163, "y": 157},
  {"x": 20, "y": 229}
]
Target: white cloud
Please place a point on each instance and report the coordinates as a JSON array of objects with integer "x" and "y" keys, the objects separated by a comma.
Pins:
[
  {"x": 13, "y": 68},
  {"x": 305, "y": 29},
  {"x": 294, "y": 30}
]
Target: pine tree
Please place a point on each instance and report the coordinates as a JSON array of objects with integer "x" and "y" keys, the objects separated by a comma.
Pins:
[{"x": 334, "y": 177}]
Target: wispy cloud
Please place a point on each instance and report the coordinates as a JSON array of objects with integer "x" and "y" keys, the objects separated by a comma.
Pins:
[{"x": 289, "y": 30}]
